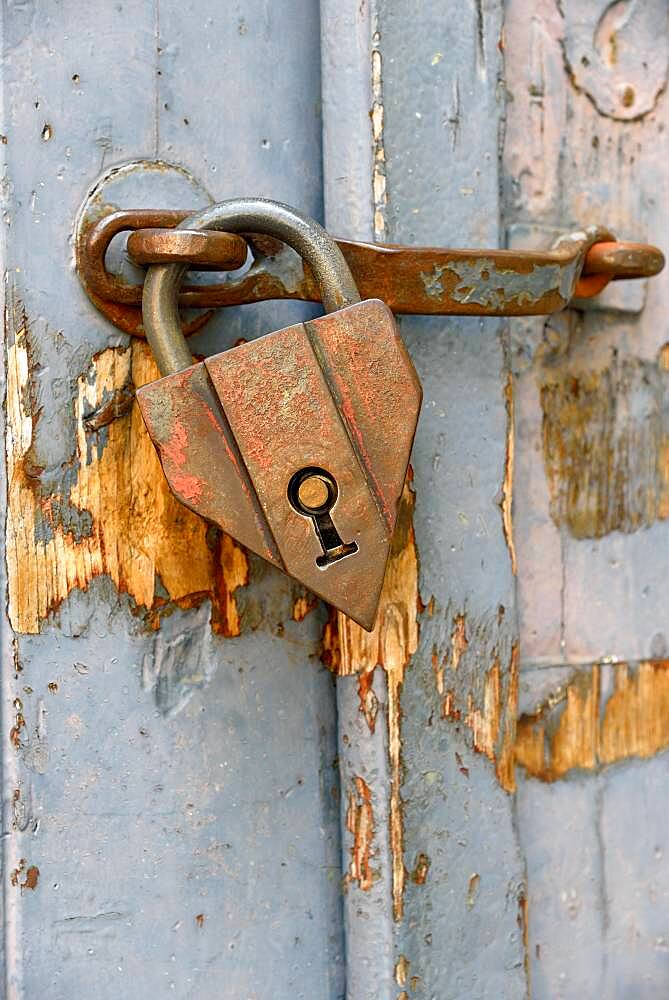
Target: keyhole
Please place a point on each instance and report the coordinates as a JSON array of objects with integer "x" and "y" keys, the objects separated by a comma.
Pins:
[{"x": 313, "y": 493}]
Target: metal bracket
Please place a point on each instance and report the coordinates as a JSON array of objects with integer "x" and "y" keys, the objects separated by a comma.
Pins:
[{"x": 419, "y": 280}]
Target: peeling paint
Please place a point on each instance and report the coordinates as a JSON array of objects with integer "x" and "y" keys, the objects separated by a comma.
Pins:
[
  {"x": 369, "y": 704},
  {"x": 506, "y": 503},
  {"x": 108, "y": 511},
  {"x": 523, "y": 924},
  {"x": 360, "y": 823},
  {"x": 483, "y": 283},
  {"x": 379, "y": 192},
  {"x": 618, "y": 54},
  {"x": 606, "y": 447},
  {"x": 25, "y": 876},
  {"x": 485, "y": 703},
  {"x": 303, "y": 604},
  {"x": 421, "y": 869},
  {"x": 351, "y": 650},
  {"x": 459, "y": 640},
  {"x": 402, "y": 970},
  {"x": 605, "y": 714},
  {"x": 473, "y": 889}
]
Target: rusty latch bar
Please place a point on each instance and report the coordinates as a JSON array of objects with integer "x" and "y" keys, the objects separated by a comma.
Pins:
[{"x": 419, "y": 280}]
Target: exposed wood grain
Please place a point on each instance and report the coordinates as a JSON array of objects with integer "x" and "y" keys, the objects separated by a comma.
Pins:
[
  {"x": 573, "y": 731},
  {"x": 388, "y": 647},
  {"x": 605, "y": 443},
  {"x": 360, "y": 824},
  {"x": 173, "y": 765},
  {"x": 506, "y": 503},
  {"x": 585, "y": 134},
  {"x": 490, "y": 716},
  {"x": 107, "y": 511}
]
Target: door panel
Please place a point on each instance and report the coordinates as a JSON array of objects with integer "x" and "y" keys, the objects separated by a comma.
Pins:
[
  {"x": 586, "y": 144},
  {"x": 214, "y": 785},
  {"x": 426, "y": 740},
  {"x": 172, "y": 787}
]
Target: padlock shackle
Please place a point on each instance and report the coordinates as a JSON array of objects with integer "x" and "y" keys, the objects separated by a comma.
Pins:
[{"x": 160, "y": 308}]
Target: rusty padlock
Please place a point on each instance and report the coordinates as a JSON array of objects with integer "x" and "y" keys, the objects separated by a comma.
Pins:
[{"x": 296, "y": 444}]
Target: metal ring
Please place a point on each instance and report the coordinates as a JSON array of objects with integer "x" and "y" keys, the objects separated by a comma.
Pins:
[{"x": 161, "y": 287}]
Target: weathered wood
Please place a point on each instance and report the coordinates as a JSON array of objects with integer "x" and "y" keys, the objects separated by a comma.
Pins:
[
  {"x": 427, "y": 703},
  {"x": 169, "y": 788},
  {"x": 110, "y": 513},
  {"x": 585, "y": 143},
  {"x": 173, "y": 815}
]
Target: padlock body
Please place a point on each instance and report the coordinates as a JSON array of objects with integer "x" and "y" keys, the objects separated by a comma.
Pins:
[{"x": 338, "y": 394}]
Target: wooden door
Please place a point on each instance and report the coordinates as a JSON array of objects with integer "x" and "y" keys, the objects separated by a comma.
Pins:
[{"x": 214, "y": 786}]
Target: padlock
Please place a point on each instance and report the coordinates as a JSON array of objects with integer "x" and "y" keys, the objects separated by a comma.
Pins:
[{"x": 296, "y": 444}]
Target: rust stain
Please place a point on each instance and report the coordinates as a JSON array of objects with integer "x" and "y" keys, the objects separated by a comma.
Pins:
[
  {"x": 506, "y": 503},
  {"x": 360, "y": 823},
  {"x": 351, "y": 650},
  {"x": 606, "y": 447},
  {"x": 112, "y": 513},
  {"x": 573, "y": 730},
  {"x": 30, "y": 876},
  {"x": 200, "y": 919}
]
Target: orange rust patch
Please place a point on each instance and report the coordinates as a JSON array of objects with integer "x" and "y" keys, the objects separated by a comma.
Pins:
[
  {"x": 360, "y": 823},
  {"x": 574, "y": 732},
  {"x": 200, "y": 919},
  {"x": 389, "y": 646},
  {"x": 136, "y": 532}
]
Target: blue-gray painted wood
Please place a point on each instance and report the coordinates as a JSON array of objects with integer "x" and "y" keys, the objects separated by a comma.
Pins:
[
  {"x": 179, "y": 792},
  {"x": 598, "y": 890},
  {"x": 347, "y": 30},
  {"x": 441, "y": 70},
  {"x": 436, "y": 78},
  {"x": 178, "y": 774},
  {"x": 586, "y": 142}
]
